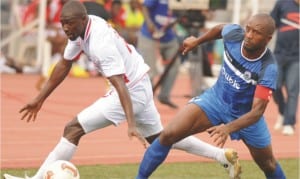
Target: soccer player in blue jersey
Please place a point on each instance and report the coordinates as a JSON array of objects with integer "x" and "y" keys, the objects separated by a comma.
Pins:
[{"x": 234, "y": 106}]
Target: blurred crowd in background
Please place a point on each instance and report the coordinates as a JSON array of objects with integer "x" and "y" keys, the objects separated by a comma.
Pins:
[{"x": 124, "y": 15}]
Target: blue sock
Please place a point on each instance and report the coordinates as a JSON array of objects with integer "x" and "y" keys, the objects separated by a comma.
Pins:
[
  {"x": 277, "y": 174},
  {"x": 153, "y": 157}
]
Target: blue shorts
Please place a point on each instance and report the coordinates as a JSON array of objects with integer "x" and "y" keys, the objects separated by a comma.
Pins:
[{"x": 256, "y": 135}]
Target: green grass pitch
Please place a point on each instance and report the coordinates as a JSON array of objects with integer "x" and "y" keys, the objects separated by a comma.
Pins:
[{"x": 199, "y": 170}]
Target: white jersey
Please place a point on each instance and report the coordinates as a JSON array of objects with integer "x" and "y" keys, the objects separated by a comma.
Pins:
[{"x": 108, "y": 51}]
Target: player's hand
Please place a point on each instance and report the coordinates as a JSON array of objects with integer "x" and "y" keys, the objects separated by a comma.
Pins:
[
  {"x": 30, "y": 110},
  {"x": 219, "y": 134},
  {"x": 132, "y": 132},
  {"x": 188, "y": 44}
]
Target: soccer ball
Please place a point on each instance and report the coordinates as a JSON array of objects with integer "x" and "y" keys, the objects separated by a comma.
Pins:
[{"x": 61, "y": 169}]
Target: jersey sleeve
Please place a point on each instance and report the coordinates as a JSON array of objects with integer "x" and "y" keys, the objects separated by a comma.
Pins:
[
  {"x": 72, "y": 50},
  {"x": 268, "y": 77},
  {"x": 232, "y": 33}
]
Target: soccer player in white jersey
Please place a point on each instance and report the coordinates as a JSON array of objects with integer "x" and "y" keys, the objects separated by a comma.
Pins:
[{"x": 131, "y": 96}]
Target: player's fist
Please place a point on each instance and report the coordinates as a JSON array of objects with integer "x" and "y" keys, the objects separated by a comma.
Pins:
[{"x": 188, "y": 44}]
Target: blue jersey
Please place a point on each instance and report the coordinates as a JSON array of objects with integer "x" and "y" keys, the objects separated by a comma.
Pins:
[
  {"x": 161, "y": 16},
  {"x": 239, "y": 76}
]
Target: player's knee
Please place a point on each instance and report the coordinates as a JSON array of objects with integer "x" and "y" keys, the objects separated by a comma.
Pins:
[
  {"x": 150, "y": 139},
  {"x": 167, "y": 138},
  {"x": 73, "y": 131}
]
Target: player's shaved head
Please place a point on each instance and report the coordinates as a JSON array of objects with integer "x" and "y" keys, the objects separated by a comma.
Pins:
[
  {"x": 73, "y": 8},
  {"x": 267, "y": 20},
  {"x": 74, "y": 19},
  {"x": 258, "y": 33}
]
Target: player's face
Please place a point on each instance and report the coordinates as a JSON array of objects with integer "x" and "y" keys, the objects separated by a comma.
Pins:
[
  {"x": 73, "y": 26},
  {"x": 256, "y": 36}
]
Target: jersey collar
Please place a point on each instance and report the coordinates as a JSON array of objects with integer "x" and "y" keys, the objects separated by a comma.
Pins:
[{"x": 255, "y": 58}]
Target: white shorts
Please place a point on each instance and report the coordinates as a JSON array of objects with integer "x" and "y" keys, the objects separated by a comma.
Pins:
[{"x": 108, "y": 110}]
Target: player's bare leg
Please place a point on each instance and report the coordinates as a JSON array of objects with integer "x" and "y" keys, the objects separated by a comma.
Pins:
[{"x": 266, "y": 161}]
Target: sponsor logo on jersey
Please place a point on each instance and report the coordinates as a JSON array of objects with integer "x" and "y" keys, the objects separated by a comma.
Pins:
[{"x": 229, "y": 79}]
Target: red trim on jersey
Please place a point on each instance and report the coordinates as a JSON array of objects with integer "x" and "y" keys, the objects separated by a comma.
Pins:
[
  {"x": 87, "y": 31},
  {"x": 77, "y": 56},
  {"x": 263, "y": 92}
]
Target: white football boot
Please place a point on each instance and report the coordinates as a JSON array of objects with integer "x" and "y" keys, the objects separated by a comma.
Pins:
[{"x": 232, "y": 166}]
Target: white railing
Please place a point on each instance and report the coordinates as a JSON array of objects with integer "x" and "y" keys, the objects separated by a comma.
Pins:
[{"x": 17, "y": 31}]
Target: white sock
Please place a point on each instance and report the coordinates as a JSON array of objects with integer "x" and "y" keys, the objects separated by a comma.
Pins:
[
  {"x": 196, "y": 146},
  {"x": 64, "y": 150}
]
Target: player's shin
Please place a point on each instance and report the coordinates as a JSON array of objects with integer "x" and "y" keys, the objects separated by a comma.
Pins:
[
  {"x": 278, "y": 173},
  {"x": 153, "y": 157}
]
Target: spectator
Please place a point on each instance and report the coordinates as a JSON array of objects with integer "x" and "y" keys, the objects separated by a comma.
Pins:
[
  {"x": 286, "y": 15},
  {"x": 117, "y": 13},
  {"x": 157, "y": 36},
  {"x": 133, "y": 21}
]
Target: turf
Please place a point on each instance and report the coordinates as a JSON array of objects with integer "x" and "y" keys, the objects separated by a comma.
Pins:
[{"x": 205, "y": 170}]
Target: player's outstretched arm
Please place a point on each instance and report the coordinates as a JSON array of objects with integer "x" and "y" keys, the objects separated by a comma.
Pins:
[
  {"x": 30, "y": 110},
  {"x": 118, "y": 82},
  {"x": 212, "y": 34}
]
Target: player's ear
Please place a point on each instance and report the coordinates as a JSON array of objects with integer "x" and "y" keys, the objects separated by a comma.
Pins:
[{"x": 269, "y": 38}]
